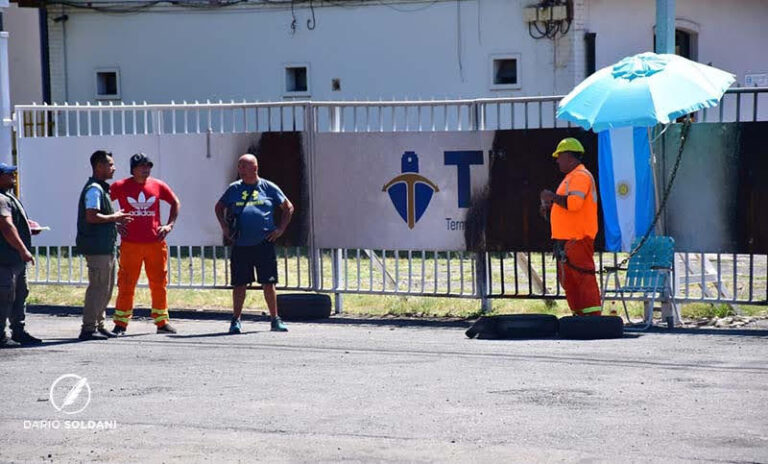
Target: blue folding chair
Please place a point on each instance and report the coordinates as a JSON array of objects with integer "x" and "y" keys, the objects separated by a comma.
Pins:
[{"x": 648, "y": 278}]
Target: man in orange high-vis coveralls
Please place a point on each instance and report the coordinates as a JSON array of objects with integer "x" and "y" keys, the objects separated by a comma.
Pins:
[
  {"x": 573, "y": 217},
  {"x": 143, "y": 242}
]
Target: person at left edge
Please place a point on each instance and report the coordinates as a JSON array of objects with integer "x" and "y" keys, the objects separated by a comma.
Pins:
[
  {"x": 143, "y": 242},
  {"x": 15, "y": 242}
]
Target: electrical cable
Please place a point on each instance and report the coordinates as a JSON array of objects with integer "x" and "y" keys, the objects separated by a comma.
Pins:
[{"x": 311, "y": 23}]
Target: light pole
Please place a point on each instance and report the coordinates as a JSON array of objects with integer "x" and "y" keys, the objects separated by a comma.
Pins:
[{"x": 665, "y": 26}]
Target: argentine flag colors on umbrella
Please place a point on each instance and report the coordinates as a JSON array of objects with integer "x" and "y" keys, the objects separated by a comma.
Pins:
[{"x": 626, "y": 185}]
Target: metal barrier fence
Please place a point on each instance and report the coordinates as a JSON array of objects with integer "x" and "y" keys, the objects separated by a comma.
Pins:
[
  {"x": 64, "y": 120},
  {"x": 699, "y": 277},
  {"x": 708, "y": 277}
]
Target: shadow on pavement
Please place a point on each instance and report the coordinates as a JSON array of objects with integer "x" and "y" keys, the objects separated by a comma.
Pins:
[
  {"x": 206, "y": 315},
  {"x": 216, "y": 334}
]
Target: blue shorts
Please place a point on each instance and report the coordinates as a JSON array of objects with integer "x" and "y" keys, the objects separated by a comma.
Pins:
[{"x": 244, "y": 259}]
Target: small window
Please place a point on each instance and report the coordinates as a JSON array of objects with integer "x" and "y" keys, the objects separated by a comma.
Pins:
[
  {"x": 107, "y": 84},
  {"x": 297, "y": 80},
  {"x": 505, "y": 72}
]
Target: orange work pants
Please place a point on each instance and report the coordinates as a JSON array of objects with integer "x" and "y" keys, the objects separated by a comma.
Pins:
[
  {"x": 154, "y": 257},
  {"x": 577, "y": 276}
]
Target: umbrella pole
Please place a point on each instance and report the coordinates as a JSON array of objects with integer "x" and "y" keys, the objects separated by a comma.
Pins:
[{"x": 652, "y": 161}]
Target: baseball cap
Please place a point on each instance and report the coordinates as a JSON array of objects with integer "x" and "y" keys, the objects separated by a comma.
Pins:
[
  {"x": 568, "y": 144},
  {"x": 140, "y": 158},
  {"x": 7, "y": 168}
]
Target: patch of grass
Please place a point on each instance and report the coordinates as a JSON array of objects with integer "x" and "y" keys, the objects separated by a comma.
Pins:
[
  {"x": 699, "y": 310},
  {"x": 387, "y": 270},
  {"x": 363, "y": 304}
]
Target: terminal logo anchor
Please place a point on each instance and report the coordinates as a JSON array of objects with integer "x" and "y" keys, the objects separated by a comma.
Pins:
[{"x": 410, "y": 192}]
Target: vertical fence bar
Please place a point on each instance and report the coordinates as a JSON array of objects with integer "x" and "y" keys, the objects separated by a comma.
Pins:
[
  {"x": 383, "y": 270},
  {"x": 371, "y": 256},
  {"x": 202, "y": 266},
  {"x": 396, "y": 259},
  {"x": 423, "y": 282},
  {"x": 434, "y": 261},
  {"x": 751, "y": 272},
  {"x": 481, "y": 285},
  {"x": 448, "y": 269},
  {"x": 687, "y": 275},
  {"x": 336, "y": 266},
  {"x": 190, "y": 258},
  {"x": 410, "y": 270},
  {"x": 357, "y": 262},
  {"x": 735, "y": 278},
  {"x": 215, "y": 266}
]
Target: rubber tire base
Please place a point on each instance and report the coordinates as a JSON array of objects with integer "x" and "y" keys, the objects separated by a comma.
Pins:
[
  {"x": 303, "y": 306},
  {"x": 514, "y": 326},
  {"x": 591, "y": 327}
]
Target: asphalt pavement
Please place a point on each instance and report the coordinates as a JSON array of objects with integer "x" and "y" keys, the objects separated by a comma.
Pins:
[{"x": 378, "y": 390}]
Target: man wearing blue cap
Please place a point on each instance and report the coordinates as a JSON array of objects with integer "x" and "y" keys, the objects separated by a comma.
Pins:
[{"x": 15, "y": 242}]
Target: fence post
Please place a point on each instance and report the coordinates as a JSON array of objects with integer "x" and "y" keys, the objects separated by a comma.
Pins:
[
  {"x": 481, "y": 281},
  {"x": 337, "y": 279},
  {"x": 310, "y": 128}
]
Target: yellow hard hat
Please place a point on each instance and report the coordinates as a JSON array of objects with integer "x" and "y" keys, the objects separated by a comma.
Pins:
[{"x": 568, "y": 144}]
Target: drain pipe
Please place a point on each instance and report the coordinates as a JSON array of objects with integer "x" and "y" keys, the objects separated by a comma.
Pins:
[{"x": 45, "y": 65}]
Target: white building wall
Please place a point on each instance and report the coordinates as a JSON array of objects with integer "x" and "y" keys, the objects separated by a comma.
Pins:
[
  {"x": 26, "y": 84},
  {"x": 376, "y": 51},
  {"x": 731, "y": 34}
]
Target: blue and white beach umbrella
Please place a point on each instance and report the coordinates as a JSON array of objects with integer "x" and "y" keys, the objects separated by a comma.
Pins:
[
  {"x": 642, "y": 91},
  {"x": 621, "y": 103}
]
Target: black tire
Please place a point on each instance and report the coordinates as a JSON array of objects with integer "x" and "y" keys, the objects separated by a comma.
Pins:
[
  {"x": 303, "y": 306},
  {"x": 514, "y": 326},
  {"x": 591, "y": 327}
]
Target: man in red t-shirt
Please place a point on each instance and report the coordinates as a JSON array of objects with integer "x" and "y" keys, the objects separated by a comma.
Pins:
[{"x": 143, "y": 242}]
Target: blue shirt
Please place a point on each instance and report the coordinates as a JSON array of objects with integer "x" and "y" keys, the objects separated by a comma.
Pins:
[
  {"x": 253, "y": 208},
  {"x": 93, "y": 198}
]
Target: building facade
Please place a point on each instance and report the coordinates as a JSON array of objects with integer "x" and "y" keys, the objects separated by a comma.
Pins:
[{"x": 365, "y": 50}]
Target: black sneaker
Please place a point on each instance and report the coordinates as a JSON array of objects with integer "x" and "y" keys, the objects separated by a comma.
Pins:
[
  {"x": 118, "y": 330},
  {"x": 84, "y": 336},
  {"x": 106, "y": 333},
  {"x": 166, "y": 329},
  {"x": 25, "y": 338}
]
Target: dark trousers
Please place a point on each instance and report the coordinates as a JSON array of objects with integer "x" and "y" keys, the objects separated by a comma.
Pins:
[{"x": 13, "y": 296}]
